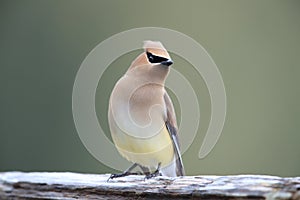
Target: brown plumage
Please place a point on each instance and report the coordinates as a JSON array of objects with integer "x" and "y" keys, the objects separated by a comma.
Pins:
[{"x": 141, "y": 114}]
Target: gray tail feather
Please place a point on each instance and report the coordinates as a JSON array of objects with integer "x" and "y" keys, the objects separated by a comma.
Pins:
[{"x": 175, "y": 168}]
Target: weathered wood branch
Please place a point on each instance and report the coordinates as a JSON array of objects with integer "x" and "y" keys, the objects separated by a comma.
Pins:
[{"x": 36, "y": 185}]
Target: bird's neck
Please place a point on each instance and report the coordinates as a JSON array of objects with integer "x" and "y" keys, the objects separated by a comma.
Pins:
[{"x": 155, "y": 74}]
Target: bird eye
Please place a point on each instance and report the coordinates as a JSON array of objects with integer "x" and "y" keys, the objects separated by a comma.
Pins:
[
  {"x": 150, "y": 57},
  {"x": 155, "y": 59}
]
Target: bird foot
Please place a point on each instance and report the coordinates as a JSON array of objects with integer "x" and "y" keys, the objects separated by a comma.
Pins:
[
  {"x": 152, "y": 175},
  {"x": 112, "y": 176}
]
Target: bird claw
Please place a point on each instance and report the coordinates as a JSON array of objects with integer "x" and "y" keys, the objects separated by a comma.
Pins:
[
  {"x": 112, "y": 176},
  {"x": 152, "y": 175}
]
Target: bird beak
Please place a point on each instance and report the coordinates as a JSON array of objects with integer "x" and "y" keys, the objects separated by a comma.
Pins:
[{"x": 167, "y": 62}]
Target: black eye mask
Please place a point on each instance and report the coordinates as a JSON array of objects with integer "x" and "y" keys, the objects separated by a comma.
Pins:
[{"x": 155, "y": 59}]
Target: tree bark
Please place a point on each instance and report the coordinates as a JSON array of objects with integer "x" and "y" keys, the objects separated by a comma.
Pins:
[{"x": 66, "y": 185}]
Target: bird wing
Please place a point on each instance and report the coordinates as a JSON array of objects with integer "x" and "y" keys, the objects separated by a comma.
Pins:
[{"x": 171, "y": 125}]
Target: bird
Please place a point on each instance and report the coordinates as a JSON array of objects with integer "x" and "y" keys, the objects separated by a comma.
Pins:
[{"x": 142, "y": 118}]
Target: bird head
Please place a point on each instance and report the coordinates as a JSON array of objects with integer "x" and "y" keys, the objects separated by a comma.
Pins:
[
  {"x": 157, "y": 54},
  {"x": 153, "y": 63}
]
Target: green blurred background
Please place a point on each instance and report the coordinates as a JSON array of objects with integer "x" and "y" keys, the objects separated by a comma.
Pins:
[{"x": 255, "y": 44}]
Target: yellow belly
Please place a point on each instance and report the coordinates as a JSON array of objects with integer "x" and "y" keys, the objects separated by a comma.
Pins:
[{"x": 147, "y": 152}]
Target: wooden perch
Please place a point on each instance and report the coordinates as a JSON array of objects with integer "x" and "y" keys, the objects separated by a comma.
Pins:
[{"x": 36, "y": 185}]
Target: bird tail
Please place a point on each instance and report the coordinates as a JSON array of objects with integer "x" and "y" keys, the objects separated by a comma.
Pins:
[{"x": 175, "y": 168}]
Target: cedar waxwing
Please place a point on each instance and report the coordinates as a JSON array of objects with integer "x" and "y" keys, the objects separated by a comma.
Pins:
[{"x": 141, "y": 116}]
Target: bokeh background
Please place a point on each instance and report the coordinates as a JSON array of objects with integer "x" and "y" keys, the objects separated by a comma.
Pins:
[{"x": 255, "y": 44}]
